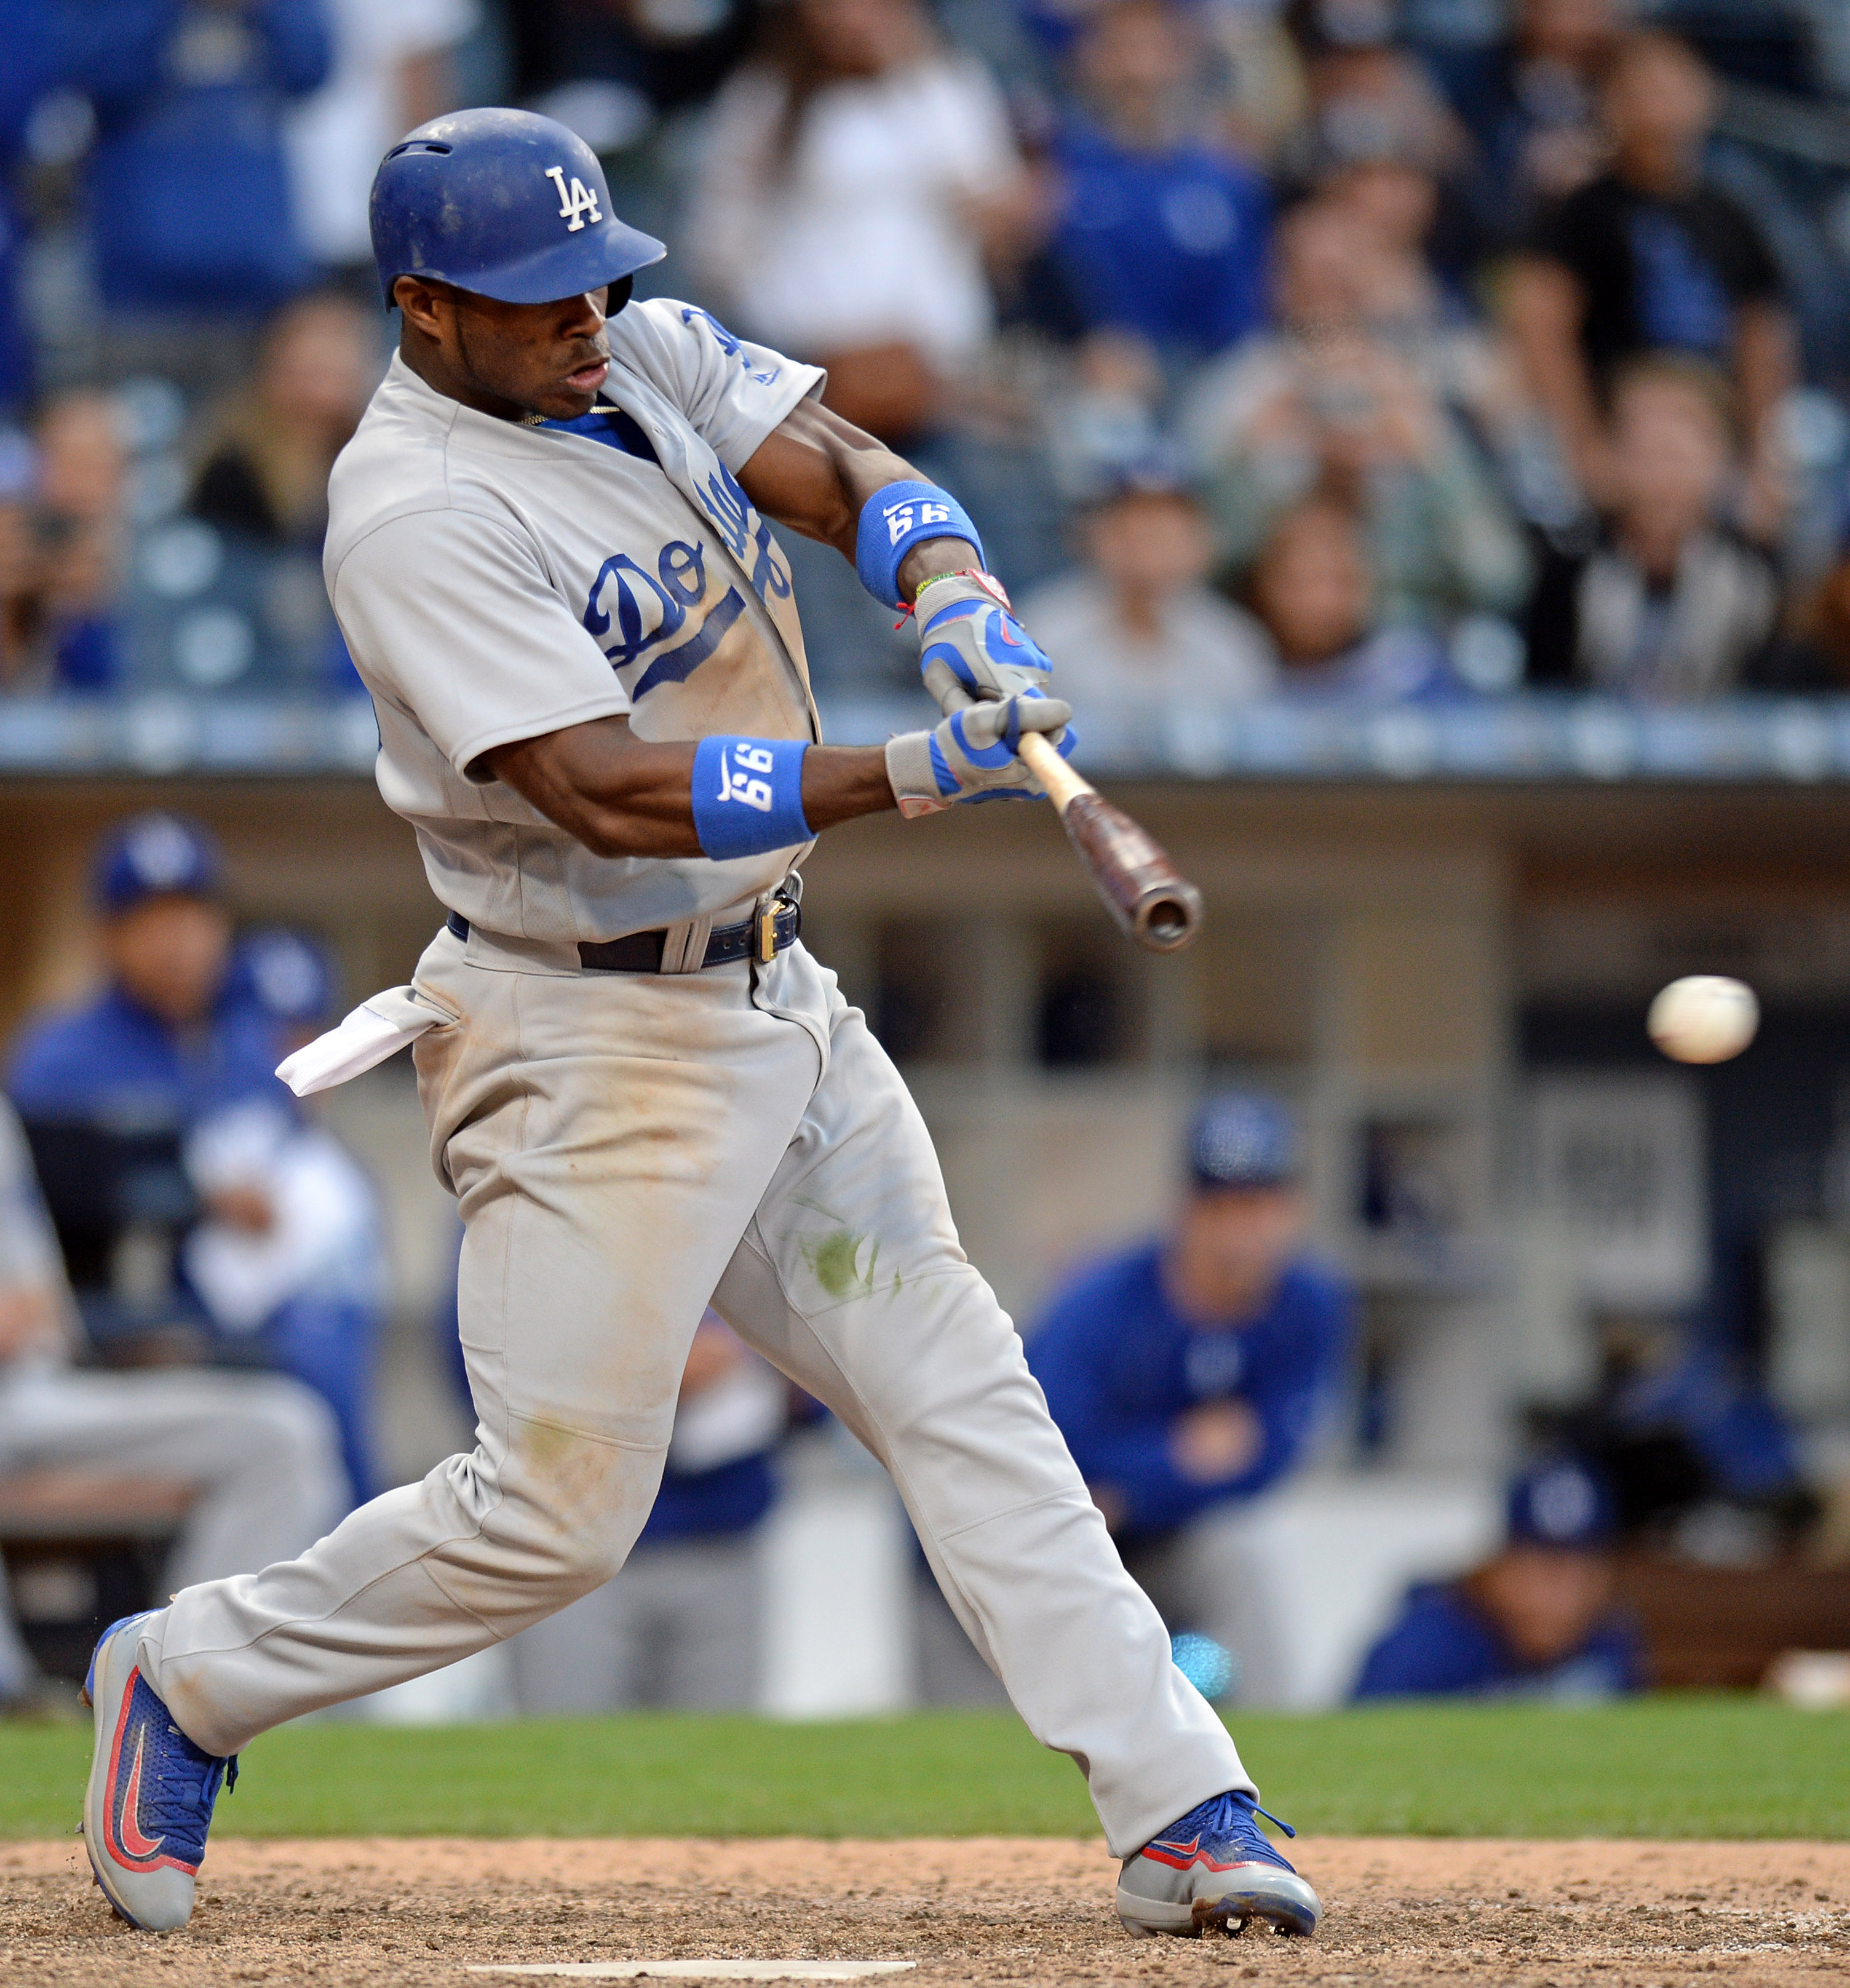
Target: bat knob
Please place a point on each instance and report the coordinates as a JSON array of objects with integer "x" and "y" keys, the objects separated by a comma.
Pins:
[
  {"x": 1146, "y": 894},
  {"x": 1167, "y": 916}
]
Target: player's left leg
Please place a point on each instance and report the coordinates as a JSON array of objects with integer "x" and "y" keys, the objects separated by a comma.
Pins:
[{"x": 851, "y": 1279}]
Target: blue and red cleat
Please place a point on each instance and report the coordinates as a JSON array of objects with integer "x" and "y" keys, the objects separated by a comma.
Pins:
[
  {"x": 151, "y": 1790},
  {"x": 1214, "y": 1867}
]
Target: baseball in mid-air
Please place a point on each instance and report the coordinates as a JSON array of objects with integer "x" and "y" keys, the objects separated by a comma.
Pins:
[{"x": 1704, "y": 1018}]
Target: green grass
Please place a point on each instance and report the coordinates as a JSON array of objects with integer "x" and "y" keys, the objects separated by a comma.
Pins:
[{"x": 1678, "y": 1766}]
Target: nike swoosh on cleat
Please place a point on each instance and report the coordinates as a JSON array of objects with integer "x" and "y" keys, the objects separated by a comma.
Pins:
[
  {"x": 128, "y": 1828},
  {"x": 1183, "y": 1856}
]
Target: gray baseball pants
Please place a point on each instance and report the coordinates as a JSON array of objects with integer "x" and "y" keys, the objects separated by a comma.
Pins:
[{"x": 624, "y": 1148}]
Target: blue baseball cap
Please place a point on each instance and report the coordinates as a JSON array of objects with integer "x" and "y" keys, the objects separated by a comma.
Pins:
[
  {"x": 1160, "y": 470},
  {"x": 285, "y": 973},
  {"x": 155, "y": 855},
  {"x": 1560, "y": 1502},
  {"x": 1240, "y": 1139}
]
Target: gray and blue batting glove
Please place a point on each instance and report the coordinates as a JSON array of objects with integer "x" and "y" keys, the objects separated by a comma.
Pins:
[
  {"x": 970, "y": 644},
  {"x": 973, "y": 756}
]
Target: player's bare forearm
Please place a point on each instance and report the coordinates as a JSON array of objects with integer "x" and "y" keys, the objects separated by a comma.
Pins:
[
  {"x": 814, "y": 472},
  {"x": 623, "y": 795}
]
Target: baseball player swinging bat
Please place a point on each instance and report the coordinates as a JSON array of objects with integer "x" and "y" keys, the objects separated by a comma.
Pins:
[{"x": 549, "y": 550}]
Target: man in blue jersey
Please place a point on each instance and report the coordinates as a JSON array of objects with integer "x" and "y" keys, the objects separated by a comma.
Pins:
[
  {"x": 1537, "y": 1620},
  {"x": 1188, "y": 1376},
  {"x": 115, "y": 1094}
]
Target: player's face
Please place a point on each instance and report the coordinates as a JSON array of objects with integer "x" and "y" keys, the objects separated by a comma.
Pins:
[
  {"x": 1546, "y": 1600},
  {"x": 546, "y": 359},
  {"x": 169, "y": 953},
  {"x": 1231, "y": 1246},
  {"x": 510, "y": 359}
]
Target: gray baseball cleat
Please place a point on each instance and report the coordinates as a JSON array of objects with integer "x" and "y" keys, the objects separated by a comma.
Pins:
[
  {"x": 151, "y": 1790},
  {"x": 1214, "y": 1867}
]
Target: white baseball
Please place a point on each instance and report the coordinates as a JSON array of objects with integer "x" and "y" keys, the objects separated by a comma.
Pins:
[{"x": 1704, "y": 1018}]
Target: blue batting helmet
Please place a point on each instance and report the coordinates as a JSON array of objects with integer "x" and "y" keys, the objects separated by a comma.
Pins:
[{"x": 506, "y": 204}]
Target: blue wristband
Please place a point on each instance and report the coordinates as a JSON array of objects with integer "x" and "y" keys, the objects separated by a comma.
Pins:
[
  {"x": 893, "y": 521},
  {"x": 748, "y": 795}
]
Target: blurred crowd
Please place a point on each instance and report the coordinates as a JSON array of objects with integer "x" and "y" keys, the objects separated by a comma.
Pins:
[{"x": 1373, "y": 350}]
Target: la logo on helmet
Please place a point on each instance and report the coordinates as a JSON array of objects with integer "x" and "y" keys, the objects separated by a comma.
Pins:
[{"x": 576, "y": 206}]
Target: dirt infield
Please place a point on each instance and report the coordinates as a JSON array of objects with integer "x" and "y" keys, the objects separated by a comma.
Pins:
[{"x": 360, "y": 1914}]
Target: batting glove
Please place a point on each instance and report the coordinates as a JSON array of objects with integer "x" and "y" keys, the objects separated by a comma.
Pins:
[
  {"x": 972, "y": 756},
  {"x": 971, "y": 643}
]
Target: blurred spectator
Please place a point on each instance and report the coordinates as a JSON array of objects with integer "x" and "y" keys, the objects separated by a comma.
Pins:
[
  {"x": 1138, "y": 619},
  {"x": 1312, "y": 589},
  {"x": 607, "y": 67},
  {"x": 259, "y": 1450},
  {"x": 1537, "y": 1620},
  {"x": 1427, "y": 320},
  {"x": 854, "y": 179},
  {"x": 82, "y": 533},
  {"x": 1669, "y": 605},
  {"x": 1380, "y": 179},
  {"x": 113, "y": 1092},
  {"x": 1531, "y": 104},
  {"x": 192, "y": 226},
  {"x": 1324, "y": 403},
  {"x": 1260, "y": 75},
  {"x": 1188, "y": 1376},
  {"x": 1105, "y": 407},
  {"x": 1365, "y": 93},
  {"x": 62, "y": 533},
  {"x": 392, "y": 71},
  {"x": 1652, "y": 255},
  {"x": 267, "y": 452},
  {"x": 51, "y": 44},
  {"x": 682, "y": 1624},
  {"x": 1157, "y": 234},
  {"x": 1814, "y": 654}
]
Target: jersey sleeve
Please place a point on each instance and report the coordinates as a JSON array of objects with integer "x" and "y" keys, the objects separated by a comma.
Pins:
[
  {"x": 450, "y": 614},
  {"x": 733, "y": 393}
]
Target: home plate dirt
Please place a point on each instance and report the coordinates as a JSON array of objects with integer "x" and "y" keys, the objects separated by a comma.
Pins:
[{"x": 364, "y": 1914}]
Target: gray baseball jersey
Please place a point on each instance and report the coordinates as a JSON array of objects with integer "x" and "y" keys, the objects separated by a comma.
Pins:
[{"x": 495, "y": 581}]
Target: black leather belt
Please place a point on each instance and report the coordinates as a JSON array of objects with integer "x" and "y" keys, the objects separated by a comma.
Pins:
[{"x": 762, "y": 938}]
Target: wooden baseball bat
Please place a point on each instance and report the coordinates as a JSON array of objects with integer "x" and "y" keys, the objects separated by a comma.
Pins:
[{"x": 1142, "y": 889}]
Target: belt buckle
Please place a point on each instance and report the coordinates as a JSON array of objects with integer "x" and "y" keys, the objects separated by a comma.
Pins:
[{"x": 787, "y": 896}]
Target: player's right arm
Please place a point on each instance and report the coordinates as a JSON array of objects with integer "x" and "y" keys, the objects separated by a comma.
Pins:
[
  {"x": 623, "y": 795},
  {"x": 456, "y": 619}
]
